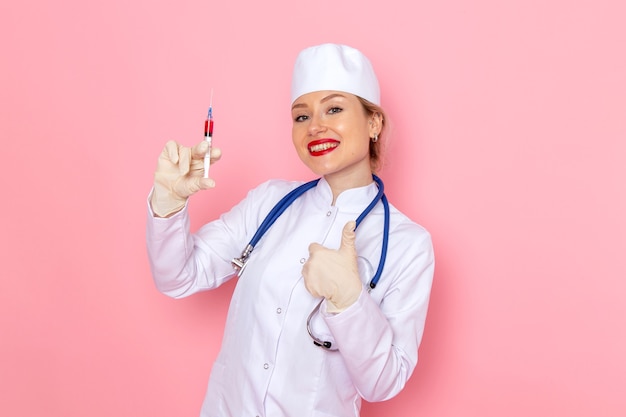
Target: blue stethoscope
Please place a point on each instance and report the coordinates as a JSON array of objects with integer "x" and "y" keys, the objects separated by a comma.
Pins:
[{"x": 239, "y": 264}]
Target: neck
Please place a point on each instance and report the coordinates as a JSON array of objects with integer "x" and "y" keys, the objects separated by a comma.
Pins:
[{"x": 339, "y": 184}]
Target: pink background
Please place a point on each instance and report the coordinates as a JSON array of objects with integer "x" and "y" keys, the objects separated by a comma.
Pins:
[{"x": 509, "y": 145}]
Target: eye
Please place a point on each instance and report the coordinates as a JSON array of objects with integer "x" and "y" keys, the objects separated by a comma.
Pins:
[
  {"x": 300, "y": 118},
  {"x": 334, "y": 110}
]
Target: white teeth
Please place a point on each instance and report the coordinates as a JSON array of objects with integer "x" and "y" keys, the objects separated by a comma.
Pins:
[{"x": 322, "y": 146}]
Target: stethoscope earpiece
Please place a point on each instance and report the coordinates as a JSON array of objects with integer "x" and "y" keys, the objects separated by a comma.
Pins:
[{"x": 316, "y": 340}]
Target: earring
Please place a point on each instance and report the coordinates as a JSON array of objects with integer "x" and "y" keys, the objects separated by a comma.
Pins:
[{"x": 375, "y": 138}]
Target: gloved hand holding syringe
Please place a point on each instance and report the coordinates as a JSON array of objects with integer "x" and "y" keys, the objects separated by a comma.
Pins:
[{"x": 180, "y": 172}]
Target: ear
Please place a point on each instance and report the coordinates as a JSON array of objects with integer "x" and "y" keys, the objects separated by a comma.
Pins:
[{"x": 375, "y": 124}]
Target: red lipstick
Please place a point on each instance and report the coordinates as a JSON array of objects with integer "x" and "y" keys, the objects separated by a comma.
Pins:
[{"x": 322, "y": 146}]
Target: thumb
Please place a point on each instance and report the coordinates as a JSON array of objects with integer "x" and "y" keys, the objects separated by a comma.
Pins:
[
  {"x": 348, "y": 237},
  {"x": 199, "y": 150}
]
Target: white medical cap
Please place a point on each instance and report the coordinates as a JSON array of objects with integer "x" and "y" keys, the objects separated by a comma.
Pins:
[{"x": 334, "y": 67}]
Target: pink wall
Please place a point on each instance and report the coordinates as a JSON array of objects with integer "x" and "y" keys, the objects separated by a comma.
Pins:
[{"x": 509, "y": 146}]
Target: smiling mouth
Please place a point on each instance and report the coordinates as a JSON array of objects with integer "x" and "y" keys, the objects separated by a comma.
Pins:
[{"x": 322, "y": 147}]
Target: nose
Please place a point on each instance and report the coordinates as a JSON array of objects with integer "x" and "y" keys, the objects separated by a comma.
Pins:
[{"x": 316, "y": 125}]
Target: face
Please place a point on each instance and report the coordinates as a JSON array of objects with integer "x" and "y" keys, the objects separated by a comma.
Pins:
[{"x": 331, "y": 133}]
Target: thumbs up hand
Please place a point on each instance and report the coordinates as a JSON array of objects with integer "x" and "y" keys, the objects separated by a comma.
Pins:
[{"x": 333, "y": 274}]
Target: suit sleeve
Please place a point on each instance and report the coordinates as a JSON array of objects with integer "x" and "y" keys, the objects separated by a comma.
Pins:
[{"x": 183, "y": 263}]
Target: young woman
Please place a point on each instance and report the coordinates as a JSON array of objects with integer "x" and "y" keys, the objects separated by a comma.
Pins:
[{"x": 332, "y": 294}]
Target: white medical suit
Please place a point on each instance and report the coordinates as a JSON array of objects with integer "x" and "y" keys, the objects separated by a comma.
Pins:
[{"x": 268, "y": 365}]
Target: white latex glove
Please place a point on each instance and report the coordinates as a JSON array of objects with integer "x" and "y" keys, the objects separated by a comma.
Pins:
[
  {"x": 179, "y": 174},
  {"x": 333, "y": 274}
]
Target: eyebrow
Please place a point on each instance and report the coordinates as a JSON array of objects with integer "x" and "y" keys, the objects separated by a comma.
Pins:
[{"x": 325, "y": 99}]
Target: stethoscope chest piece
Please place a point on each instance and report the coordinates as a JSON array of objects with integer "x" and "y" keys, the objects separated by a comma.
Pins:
[{"x": 239, "y": 264}]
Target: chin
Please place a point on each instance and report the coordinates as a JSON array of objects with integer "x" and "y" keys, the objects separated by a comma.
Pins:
[{"x": 317, "y": 169}]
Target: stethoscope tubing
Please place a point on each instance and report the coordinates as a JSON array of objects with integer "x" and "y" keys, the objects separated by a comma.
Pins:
[
  {"x": 279, "y": 208},
  {"x": 285, "y": 202}
]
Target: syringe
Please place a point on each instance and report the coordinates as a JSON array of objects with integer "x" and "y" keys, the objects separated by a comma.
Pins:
[{"x": 208, "y": 136}]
